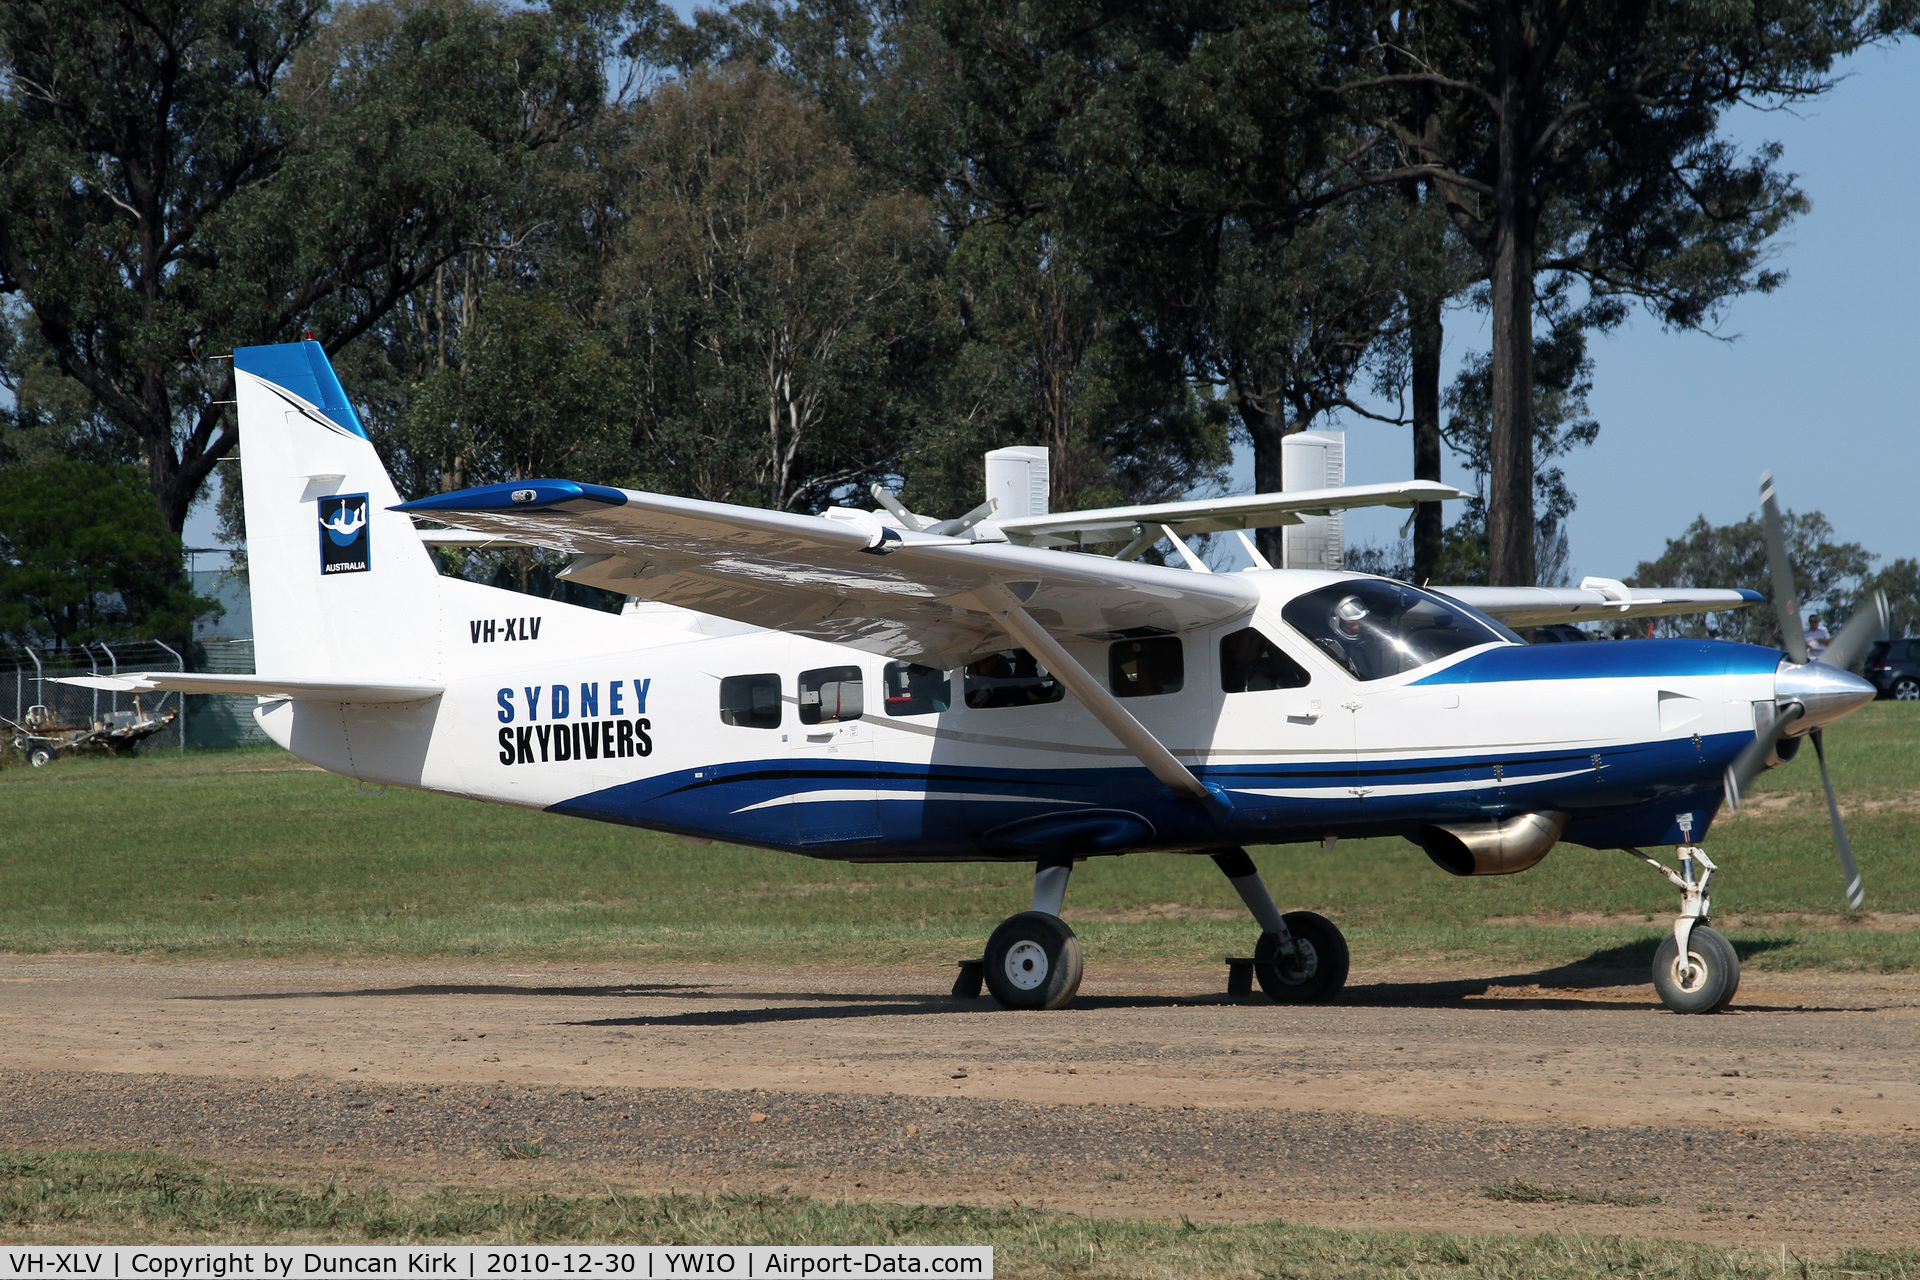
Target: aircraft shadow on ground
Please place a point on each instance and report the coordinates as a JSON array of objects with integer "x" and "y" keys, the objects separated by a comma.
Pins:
[{"x": 1607, "y": 970}]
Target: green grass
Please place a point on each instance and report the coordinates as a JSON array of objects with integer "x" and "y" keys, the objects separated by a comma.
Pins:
[
  {"x": 93, "y": 1198},
  {"x": 238, "y": 853}
]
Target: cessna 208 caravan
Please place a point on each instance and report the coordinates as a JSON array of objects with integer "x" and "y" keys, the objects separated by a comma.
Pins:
[{"x": 875, "y": 686}]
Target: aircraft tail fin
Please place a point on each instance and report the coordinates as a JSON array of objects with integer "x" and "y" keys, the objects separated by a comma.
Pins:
[{"x": 342, "y": 586}]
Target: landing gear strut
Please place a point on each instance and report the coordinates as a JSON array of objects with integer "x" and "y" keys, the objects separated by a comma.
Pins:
[
  {"x": 1033, "y": 959},
  {"x": 1301, "y": 957},
  {"x": 1695, "y": 969}
]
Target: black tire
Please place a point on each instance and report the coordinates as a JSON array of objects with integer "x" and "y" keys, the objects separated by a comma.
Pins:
[
  {"x": 1905, "y": 689},
  {"x": 1033, "y": 962},
  {"x": 1710, "y": 979},
  {"x": 1315, "y": 971},
  {"x": 40, "y": 756}
]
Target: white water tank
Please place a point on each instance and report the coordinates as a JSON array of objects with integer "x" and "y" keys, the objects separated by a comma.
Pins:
[
  {"x": 1314, "y": 460},
  {"x": 1018, "y": 477}
]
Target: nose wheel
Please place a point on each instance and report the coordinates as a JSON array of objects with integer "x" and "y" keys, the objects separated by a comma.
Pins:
[
  {"x": 1695, "y": 968},
  {"x": 1708, "y": 978}
]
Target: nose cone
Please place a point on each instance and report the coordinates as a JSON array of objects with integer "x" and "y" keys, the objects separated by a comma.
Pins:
[{"x": 1828, "y": 693}]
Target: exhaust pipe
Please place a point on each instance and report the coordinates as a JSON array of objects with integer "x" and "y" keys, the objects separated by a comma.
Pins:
[{"x": 1496, "y": 849}]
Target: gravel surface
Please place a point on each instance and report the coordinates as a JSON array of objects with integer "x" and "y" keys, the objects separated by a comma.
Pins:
[{"x": 1790, "y": 1123}]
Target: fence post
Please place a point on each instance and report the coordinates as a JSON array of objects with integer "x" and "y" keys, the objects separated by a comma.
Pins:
[
  {"x": 39, "y": 679},
  {"x": 115, "y": 660},
  {"x": 181, "y": 719},
  {"x": 95, "y": 664}
]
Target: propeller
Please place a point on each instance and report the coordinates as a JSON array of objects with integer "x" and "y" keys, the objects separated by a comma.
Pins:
[{"x": 1821, "y": 690}]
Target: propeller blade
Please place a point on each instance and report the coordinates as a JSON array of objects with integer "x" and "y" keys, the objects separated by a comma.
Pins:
[
  {"x": 1868, "y": 623},
  {"x": 1856, "y": 892},
  {"x": 1786, "y": 603},
  {"x": 1752, "y": 762}
]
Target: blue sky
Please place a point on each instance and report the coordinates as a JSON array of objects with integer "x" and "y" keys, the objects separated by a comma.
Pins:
[
  {"x": 1814, "y": 381},
  {"x": 1817, "y": 381}
]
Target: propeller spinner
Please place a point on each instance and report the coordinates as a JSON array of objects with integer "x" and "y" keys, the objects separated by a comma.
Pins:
[{"x": 1808, "y": 694}]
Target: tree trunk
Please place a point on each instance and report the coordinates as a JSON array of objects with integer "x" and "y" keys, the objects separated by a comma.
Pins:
[
  {"x": 1266, "y": 430},
  {"x": 1510, "y": 557},
  {"x": 1428, "y": 517}
]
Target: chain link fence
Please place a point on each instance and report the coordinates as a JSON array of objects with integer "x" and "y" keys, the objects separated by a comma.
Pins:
[{"x": 31, "y": 696}]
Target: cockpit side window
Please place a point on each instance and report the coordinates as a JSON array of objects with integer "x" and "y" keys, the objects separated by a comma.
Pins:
[
  {"x": 1250, "y": 663},
  {"x": 1374, "y": 628}
]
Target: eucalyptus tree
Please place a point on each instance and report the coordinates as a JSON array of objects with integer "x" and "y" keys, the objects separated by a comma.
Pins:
[
  {"x": 1584, "y": 140},
  {"x": 771, "y": 300},
  {"x": 179, "y": 177},
  {"x": 1828, "y": 575}
]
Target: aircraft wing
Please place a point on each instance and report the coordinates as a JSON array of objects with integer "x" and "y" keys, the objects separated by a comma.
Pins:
[
  {"x": 852, "y": 580},
  {"x": 1538, "y": 606},
  {"x": 1215, "y": 515},
  {"x": 261, "y": 686}
]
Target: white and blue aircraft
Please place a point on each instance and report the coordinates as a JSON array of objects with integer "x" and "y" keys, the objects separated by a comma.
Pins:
[{"x": 874, "y": 687}]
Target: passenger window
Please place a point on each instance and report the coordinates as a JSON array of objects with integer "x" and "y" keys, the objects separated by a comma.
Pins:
[
  {"x": 829, "y": 694},
  {"x": 751, "y": 702},
  {"x": 914, "y": 690},
  {"x": 1142, "y": 668},
  {"x": 1249, "y": 663},
  {"x": 1010, "y": 678}
]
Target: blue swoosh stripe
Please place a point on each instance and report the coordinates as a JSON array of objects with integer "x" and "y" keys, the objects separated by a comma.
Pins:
[{"x": 1609, "y": 659}]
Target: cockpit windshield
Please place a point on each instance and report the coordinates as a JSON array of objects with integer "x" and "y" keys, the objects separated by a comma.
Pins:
[{"x": 1375, "y": 628}]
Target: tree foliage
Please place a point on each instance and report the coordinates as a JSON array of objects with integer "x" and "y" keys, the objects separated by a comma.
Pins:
[
  {"x": 1581, "y": 142},
  {"x": 85, "y": 556},
  {"x": 186, "y": 176},
  {"x": 774, "y": 303},
  {"x": 1829, "y": 576},
  {"x": 788, "y": 248}
]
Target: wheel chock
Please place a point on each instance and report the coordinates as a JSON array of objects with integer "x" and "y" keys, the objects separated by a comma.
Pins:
[
  {"x": 973, "y": 975},
  {"x": 1239, "y": 975}
]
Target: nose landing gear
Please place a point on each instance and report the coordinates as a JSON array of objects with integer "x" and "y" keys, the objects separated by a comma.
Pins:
[{"x": 1695, "y": 969}]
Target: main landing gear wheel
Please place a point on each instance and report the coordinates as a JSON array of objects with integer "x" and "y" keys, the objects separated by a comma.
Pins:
[
  {"x": 1033, "y": 962},
  {"x": 1310, "y": 971},
  {"x": 1706, "y": 983}
]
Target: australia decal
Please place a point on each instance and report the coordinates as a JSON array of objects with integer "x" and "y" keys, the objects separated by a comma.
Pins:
[
  {"x": 344, "y": 544},
  {"x": 548, "y": 724}
]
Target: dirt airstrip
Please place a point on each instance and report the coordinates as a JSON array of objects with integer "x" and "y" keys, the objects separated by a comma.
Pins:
[{"x": 1794, "y": 1119}]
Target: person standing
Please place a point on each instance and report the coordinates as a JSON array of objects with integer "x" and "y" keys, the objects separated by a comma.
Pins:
[{"x": 1818, "y": 637}]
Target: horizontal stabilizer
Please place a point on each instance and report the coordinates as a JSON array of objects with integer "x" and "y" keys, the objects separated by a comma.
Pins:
[
  {"x": 261, "y": 686},
  {"x": 1594, "y": 600}
]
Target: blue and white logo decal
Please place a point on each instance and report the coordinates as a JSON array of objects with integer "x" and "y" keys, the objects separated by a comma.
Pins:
[{"x": 344, "y": 545}]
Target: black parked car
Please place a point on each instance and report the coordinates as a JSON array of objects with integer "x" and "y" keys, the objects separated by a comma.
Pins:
[{"x": 1894, "y": 668}]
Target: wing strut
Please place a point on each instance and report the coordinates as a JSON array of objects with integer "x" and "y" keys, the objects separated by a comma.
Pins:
[{"x": 1010, "y": 612}]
